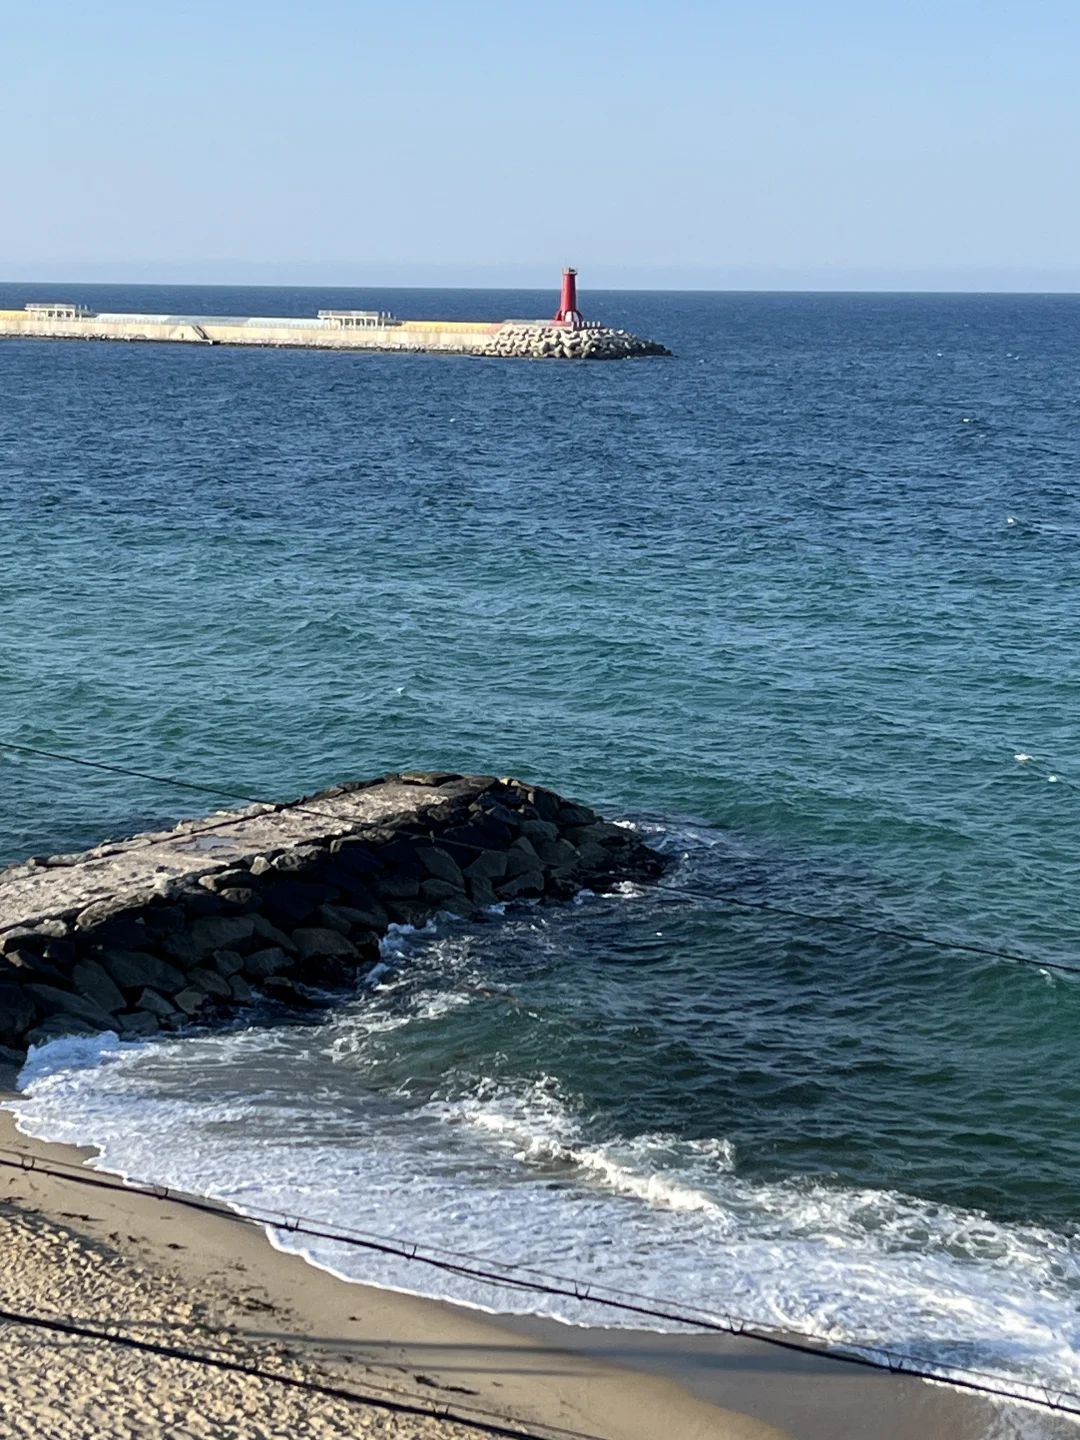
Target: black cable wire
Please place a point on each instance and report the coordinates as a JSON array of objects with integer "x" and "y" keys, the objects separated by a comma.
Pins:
[
  {"x": 538, "y": 1282},
  {"x": 845, "y": 922},
  {"x": 137, "y": 774},
  {"x": 314, "y": 1387},
  {"x": 169, "y": 780}
]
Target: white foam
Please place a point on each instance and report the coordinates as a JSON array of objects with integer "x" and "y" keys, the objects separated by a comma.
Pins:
[{"x": 517, "y": 1174}]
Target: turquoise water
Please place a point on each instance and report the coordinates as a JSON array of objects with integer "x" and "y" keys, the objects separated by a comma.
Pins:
[{"x": 794, "y": 600}]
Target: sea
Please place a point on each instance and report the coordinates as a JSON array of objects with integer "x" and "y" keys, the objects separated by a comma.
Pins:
[{"x": 801, "y": 603}]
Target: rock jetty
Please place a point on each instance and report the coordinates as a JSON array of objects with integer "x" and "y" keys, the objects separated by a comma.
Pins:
[
  {"x": 526, "y": 340},
  {"x": 280, "y": 902}
]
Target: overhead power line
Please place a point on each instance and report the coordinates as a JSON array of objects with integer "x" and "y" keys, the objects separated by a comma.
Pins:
[
  {"x": 477, "y": 1420},
  {"x": 842, "y": 921},
  {"x": 221, "y": 790},
  {"x": 538, "y": 1282},
  {"x": 847, "y": 923}
]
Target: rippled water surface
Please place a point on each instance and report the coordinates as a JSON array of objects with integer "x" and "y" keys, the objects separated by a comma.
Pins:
[{"x": 795, "y": 601}]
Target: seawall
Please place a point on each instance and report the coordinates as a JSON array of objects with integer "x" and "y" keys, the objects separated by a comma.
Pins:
[
  {"x": 524, "y": 339},
  {"x": 193, "y": 924}
]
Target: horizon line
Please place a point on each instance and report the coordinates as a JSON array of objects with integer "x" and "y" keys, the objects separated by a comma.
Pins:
[
  {"x": 598, "y": 277},
  {"x": 605, "y": 289}
]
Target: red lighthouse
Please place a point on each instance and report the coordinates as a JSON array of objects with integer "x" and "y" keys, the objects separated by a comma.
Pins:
[{"x": 569, "y": 314}]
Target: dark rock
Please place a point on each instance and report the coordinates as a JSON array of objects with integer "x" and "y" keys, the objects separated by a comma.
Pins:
[
  {"x": 211, "y": 982},
  {"x": 573, "y": 814},
  {"x": 138, "y": 1022},
  {"x": 200, "y": 902},
  {"x": 22, "y": 937},
  {"x": 55, "y": 1026},
  {"x": 329, "y": 973},
  {"x": 60, "y": 952},
  {"x": 298, "y": 861},
  {"x": 429, "y": 777},
  {"x": 90, "y": 979},
  {"x": 331, "y": 918},
  {"x": 409, "y": 912},
  {"x": 191, "y": 1000},
  {"x": 352, "y": 855},
  {"x": 115, "y": 910},
  {"x": 462, "y": 789},
  {"x": 546, "y": 803},
  {"x": 266, "y": 962},
  {"x": 266, "y": 931},
  {"x": 209, "y": 932},
  {"x": 529, "y": 883},
  {"x": 482, "y": 892},
  {"x": 241, "y": 990},
  {"x": 287, "y": 902},
  {"x": 371, "y": 916},
  {"x": 488, "y": 865},
  {"x": 367, "y": 945},
  {"x": 495, "y": 813},
  {"x": 166, "y": 919},
  {"x": 226, "y": 880},
  {"x": 439, "y": 891},
  {"x": 240, "y": 899},
  {"x": 317, "y": 940},
  {"x": 17, "y": 1011},
  {"x": 12, "y": 1056},
  {"x": 155, "y": 1004},
  {"x": 23, "y": 966},
  {"x": 539, "y": 830},
  {"x": 399, "y": 887},
  {"x": 135, "y": 969},
  {"x": 601, "y": 833},
  {"x": 402, "y": 857},
  {"x": 53, "y": 1001},
  {"x": 560, "y": 887},
  {"x": 439, "y": 864},
  {"x": 556, "y": 853},
  {"x": 221, "y": 932},
  {"x": 480, "y": 833},
  {"x": 285, "y": 992},
  {"x": 593, "y": 857},
  {"x": 227, "y": 962},
  {"x": 521, "y": 858}
]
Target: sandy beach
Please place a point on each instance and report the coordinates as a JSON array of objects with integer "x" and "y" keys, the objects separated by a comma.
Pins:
[{"x": 154, "y": 1319}]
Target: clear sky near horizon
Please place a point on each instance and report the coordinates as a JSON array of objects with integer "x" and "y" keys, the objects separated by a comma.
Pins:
[{"x": 775, "y": 144}]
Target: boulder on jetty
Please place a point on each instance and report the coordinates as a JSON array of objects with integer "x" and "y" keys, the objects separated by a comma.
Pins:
[
  {"x": 531, "y": 341},
  {"x": 192, "y": 924}
]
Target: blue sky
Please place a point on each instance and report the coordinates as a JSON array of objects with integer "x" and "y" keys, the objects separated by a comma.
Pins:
[{"x": 896, "y": 144}]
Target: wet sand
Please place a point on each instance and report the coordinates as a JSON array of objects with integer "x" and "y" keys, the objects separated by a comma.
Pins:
[{"x": 161, "y": 1274}]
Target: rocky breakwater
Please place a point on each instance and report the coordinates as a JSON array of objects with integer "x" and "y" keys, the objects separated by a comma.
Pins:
[
  {"x": 279, "y": 903},
  {"x": 522, "y": 340}
]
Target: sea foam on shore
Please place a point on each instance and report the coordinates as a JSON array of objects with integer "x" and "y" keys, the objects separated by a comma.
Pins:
[{"x": 338, "y": 1122}]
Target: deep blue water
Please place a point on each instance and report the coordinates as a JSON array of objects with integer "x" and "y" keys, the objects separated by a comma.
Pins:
[{"x": 795, "y": 599}]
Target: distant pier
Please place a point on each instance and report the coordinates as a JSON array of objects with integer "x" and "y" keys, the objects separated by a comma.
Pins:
[{"x": 567, "y": 337}]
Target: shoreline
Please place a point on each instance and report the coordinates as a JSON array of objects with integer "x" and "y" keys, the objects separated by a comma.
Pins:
[{"x": 541, "y": 1375}]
